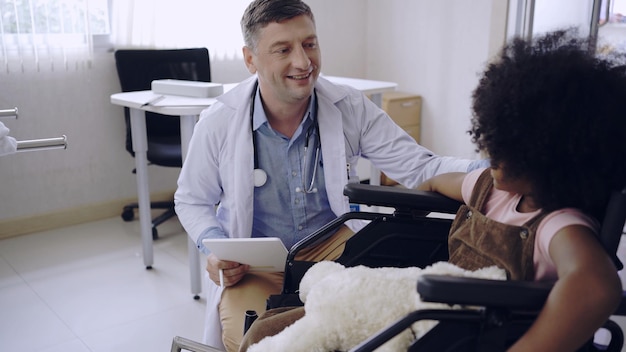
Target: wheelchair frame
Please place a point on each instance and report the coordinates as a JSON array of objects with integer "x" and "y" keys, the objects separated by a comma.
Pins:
[
  {"x": 508, "y": 307},
  {"x": 387, "y": 240}
]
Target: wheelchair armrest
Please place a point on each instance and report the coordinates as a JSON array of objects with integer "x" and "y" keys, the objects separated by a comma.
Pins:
[
  {"x": 621, "y": 309},
  {"x": 397, "y": 197},
  {"x": 524, "y": 295},
  {"x": 180, "y": 343}
]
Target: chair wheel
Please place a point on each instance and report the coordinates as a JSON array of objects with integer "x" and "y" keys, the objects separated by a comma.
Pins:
[
  {"x": 155, "y": 234},
  {"x": 128, "y": 214}
]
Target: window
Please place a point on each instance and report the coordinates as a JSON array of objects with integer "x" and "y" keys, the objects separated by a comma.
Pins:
[
  {"x": 612, "y": 27},
  {"x": 613, "y": 11},
  {"x": 157, "y": 24},
  {"x": 40, "y": 34},
  {"x": 602, "y": 18}
]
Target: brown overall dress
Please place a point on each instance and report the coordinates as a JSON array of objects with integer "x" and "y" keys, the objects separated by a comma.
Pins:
[{"x": 476, "y": 241}]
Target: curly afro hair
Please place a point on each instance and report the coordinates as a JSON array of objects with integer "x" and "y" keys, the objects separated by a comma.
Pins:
[{"x": 552, "y": 112}]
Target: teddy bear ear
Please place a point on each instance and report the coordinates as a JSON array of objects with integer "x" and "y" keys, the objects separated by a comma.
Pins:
[{"x": 315, "y": 274}]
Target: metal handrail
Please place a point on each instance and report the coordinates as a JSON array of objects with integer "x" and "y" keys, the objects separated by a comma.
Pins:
[{"x": 42, "y": 144}]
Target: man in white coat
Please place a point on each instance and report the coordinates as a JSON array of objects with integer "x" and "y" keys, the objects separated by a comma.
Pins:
[{"x": 272, "y": 156}]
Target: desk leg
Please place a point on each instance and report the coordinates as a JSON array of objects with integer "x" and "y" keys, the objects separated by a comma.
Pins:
[
  {"x": 187, "y": 123},
  {"x": 140, "y": 147}
]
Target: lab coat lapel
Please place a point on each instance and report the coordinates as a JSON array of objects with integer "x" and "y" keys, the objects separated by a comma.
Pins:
[
  {"x": 333, "y": 152},
  {"x": 240, "y": 140}
]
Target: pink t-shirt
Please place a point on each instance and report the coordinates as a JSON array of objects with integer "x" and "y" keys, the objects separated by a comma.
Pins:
[{"x": 501, "y": 206}]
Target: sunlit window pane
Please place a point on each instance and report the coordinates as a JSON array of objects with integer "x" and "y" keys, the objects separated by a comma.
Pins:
[
  {"x": 618, "y": 11},
  {"x": 54, "y": 16},
  {"x": 49, "y": 33}
]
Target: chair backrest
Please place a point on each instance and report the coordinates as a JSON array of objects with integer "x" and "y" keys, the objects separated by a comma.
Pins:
[
  {"x": 137, "y": 68},
  {"x": 613, "y": 225}
]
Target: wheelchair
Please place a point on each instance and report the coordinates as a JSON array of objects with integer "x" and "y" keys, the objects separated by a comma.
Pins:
[{"x": 415, "y": 233}]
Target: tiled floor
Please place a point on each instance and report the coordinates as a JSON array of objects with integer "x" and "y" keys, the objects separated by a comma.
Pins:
[{"x": 84, "y": 288}]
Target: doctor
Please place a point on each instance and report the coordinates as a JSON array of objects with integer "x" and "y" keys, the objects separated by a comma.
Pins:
[{"x": 272, "y": 156}]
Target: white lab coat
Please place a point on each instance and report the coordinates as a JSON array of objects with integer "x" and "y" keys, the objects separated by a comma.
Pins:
[{"x": 219, "y": 166}]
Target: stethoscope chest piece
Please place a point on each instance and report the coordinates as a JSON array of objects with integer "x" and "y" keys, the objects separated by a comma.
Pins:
[{"x": 260, "y": 177}]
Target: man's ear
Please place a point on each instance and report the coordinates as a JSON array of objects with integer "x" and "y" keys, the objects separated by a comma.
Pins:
[{"x": 248, "y": 58}]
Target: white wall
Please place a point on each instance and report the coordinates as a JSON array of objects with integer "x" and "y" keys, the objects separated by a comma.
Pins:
[
  {"x": 341, "y": 28},
  {"x": 436, "y": 49},
  {"x": 431, "y": 48},
  {"x": 94, "y": 168}
]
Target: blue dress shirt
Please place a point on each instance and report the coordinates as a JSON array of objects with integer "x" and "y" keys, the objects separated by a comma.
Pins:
[{"x": 281, "y": 208}]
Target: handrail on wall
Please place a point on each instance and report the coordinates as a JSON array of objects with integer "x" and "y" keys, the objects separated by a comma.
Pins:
[
  {"x": 9, "y": 113},
  {"x": 42, "y": 144},
  {"x": 33, "y": 144}
]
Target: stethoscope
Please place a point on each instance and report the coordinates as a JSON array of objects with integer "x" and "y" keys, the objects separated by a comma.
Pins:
[{"x": 260, "y": 176}]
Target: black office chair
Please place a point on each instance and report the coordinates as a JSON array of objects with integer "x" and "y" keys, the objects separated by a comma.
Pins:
[{"x": 136, "y": 70}]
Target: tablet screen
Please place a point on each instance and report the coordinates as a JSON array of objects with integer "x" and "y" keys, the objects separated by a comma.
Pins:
[{"x": 267, "y": 254}]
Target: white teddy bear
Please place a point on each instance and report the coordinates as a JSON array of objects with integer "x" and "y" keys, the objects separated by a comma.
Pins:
[{"x": 345, "y": 306}]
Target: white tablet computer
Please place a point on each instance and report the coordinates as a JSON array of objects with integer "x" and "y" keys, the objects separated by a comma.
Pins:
[{"x": 266, "y": 254}]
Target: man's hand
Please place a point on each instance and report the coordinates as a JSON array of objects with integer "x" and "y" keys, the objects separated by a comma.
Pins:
[{"x": 232, "y": 272}]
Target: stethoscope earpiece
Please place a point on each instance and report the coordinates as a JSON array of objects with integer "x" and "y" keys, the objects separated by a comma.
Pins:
[{"x": 260, "y": 177}]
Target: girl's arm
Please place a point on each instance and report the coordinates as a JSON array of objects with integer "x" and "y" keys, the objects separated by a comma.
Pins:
[
  {"x": 447, "y": 184},
  {"x": 587, "y": 292}
]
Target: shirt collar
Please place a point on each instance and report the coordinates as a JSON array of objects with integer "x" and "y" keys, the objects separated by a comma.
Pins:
[{"x": 260, "y": 118}]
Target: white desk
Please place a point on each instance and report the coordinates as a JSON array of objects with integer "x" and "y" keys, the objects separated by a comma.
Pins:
[{"x": 188, "y": 117}]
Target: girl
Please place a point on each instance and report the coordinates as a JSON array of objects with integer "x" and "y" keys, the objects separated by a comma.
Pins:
[{"x": 550, "y": 116}]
